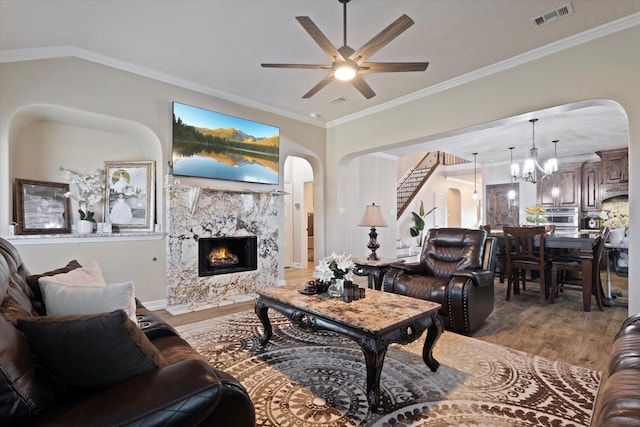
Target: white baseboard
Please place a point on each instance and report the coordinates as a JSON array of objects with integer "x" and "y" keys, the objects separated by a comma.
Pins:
[
  {"x": 204, "y": 305},
  {"x": 155, "y": 305}
]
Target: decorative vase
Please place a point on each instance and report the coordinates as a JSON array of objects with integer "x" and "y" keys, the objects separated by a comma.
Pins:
[
  {"x": 85, "y": 227},
  {"x": 336, "y": 288}
]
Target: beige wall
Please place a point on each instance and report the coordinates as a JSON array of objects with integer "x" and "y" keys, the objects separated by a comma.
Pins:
[
  {"x": 605, "y": 68},
  {"x": 344, "y": 181},
  {"x": 75, "y": 113}
]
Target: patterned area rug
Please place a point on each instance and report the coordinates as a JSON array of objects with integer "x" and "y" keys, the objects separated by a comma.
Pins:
[{"x": 318, "y": 379}]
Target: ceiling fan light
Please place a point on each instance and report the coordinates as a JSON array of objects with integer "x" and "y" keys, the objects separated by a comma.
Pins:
[{"x": 344, "y": 72}]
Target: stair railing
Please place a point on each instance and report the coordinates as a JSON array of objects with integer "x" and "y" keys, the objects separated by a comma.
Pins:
[{"x": 411, "y": 183}]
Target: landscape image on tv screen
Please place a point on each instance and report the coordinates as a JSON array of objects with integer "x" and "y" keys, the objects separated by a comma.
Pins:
[{"x": 207, "y": 144}]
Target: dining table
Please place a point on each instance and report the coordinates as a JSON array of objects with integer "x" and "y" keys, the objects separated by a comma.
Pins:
[{"x": 581, "y": 242}]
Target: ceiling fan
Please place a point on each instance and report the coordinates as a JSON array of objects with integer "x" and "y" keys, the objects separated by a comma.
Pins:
[{"x": 349, "y": 64}]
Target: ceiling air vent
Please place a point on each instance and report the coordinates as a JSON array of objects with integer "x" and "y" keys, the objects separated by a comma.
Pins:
[
  {"x": 338, "y": 100},
  {"x": 552, "y": 15}
]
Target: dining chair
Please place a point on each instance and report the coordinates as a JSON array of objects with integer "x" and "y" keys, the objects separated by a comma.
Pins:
[
  {"x": 501, "y": 260},
  {"x": 562, "y": 266},
  {"x": 522, "y": 255}
]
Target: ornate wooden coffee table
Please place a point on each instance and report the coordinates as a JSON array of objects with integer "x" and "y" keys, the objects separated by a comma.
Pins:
[{"x": 374, "y": 322}]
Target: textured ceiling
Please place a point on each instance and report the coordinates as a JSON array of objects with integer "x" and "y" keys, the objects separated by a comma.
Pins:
[{"x": 217, "y": 46}]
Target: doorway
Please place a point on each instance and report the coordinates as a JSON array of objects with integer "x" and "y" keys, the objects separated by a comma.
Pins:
[
  {"x": 501, "y": 209},
  {"x": 299, "y": 234},
  {"x": 454, "y": 208},
  {"x": 440, "y": 214}
]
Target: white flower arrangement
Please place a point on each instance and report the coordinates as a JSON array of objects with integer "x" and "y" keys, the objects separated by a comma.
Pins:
[
  {"x": 90, "y": 189},
  {"x": 334, "y": 266}
]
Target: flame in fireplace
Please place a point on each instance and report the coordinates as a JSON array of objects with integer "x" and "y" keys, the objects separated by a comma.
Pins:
[{"x": 222, "y": 256}]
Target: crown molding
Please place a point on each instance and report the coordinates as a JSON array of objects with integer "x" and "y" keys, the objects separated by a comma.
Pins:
[
  {"x": 18, "y": 55},
  {"x": 560, "y": 45}
]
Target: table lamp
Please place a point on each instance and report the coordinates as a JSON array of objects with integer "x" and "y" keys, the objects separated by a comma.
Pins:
[{"x": 372, "y": 218}]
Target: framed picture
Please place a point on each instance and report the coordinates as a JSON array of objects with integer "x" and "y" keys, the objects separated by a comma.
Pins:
[
  {"x": 130, "y": 195},
  {"x": 41, "y": 207}
]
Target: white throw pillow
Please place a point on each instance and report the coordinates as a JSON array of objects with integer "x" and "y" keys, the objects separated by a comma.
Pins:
[
  {"x": 63, "y": 299},
  {"x": 616, "y": 236},
  {"x": 89, "y": 275}
]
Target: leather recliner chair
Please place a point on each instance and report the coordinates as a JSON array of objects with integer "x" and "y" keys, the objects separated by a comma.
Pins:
[{"x": 456, "y": 270}]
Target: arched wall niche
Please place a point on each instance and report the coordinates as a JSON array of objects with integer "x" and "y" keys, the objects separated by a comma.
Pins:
[{"x": 43, "y": 138}]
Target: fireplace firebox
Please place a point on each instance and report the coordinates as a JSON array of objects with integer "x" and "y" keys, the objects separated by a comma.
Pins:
[{"x": 224, "y": 255}]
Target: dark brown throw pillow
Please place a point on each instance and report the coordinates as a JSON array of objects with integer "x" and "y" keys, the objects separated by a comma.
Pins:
[
  {"x": 32, "y": 281},
  {"x": 91, "y": 351}
]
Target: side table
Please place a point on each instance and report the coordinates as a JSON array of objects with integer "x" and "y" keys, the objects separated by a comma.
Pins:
[{"x": 373, "y": 269}]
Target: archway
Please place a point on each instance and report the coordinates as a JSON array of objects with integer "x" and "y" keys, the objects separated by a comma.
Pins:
[{"x": 299, "y": 224}]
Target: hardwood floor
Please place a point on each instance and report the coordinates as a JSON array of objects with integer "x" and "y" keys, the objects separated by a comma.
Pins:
[{"x": 561, "y": 331}]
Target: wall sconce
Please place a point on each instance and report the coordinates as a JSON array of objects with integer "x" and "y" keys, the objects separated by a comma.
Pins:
[{"x": 372, "y": 218}]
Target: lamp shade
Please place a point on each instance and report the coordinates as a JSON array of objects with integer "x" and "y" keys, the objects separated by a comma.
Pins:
[{"x": 372, "y": 217}]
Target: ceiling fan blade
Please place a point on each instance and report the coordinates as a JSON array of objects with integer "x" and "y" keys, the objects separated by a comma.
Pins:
[
  {"x": 392, "y": 67},
  {"x": 327, "y": 47},
  {"x": 303, "y": 66},
  {"x": 359, "y": 83},
  {"x": 328, "y": 79},
  {"x": 380, "y": 40}
]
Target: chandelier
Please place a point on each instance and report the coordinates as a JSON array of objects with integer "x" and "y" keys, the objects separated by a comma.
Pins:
[{"x": 532, "y": 171}]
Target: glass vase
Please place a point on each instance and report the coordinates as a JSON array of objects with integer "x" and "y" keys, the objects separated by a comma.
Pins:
[{"x": 336, "y": 289}]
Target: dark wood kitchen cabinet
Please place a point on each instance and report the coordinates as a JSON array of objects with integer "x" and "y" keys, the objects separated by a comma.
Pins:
[
  {"x": 568, "y": 180},
  {"x": 591, "y": 186},
  {"x": 614, "y": 173},
  {"x": 615, "y": 166}
]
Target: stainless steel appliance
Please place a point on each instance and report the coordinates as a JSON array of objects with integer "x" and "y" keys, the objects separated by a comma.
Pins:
[{"x": 564, "y": 219}]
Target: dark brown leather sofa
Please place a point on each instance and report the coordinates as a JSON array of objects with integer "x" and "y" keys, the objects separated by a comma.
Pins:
[
  {"x": 456, "y": 270},
  {"x": 184, "y": 391},
  {"x": 618, "y": 402}
]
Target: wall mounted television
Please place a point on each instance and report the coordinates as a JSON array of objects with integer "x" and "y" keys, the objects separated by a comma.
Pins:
[{"x": 212, "y": 145}]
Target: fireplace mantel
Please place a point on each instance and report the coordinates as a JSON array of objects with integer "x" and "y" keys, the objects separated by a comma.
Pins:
[
  {"x": 194, "y": 191},
  {"x": 199, "y": 212},
  {"x": 271, "y": 191}
]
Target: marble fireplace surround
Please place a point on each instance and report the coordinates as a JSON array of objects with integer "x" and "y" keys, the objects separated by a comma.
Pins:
[{"x": 194, "y": 212}]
